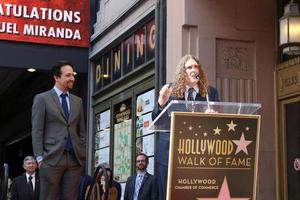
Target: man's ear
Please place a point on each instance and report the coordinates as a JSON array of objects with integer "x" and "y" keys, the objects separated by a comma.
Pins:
[{"x": 55, "y": 77}]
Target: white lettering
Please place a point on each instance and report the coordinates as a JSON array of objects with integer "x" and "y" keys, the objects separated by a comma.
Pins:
[
  {"x": 28, "y": 29},
  {"x": 8, "y": 7},
  {"x": 51, "y": 32},
  {"x": 34, "y": 13},
  {"x": 9, "y": 27},
  {"x": 77, "y": 35},
  {"x": 26, "y": 12},
  {"x": 77, "y": 17},
  {"x": 1, "y": 10},
  {"x": 17, "y": 10}
]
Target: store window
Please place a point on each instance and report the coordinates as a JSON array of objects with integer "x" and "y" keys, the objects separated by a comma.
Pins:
[
  {"x": 128, "y": 133},
  {"x": 122, "y": 140},
  {"x": 102, "y": 137},
  {"x": 144, "y": 136}
]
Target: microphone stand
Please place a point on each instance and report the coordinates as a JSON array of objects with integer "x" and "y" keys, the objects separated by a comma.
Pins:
[{"x": 208, "y": 110}]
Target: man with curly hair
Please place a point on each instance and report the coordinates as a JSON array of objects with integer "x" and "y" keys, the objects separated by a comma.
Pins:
[{"x": 191, "y": 84}]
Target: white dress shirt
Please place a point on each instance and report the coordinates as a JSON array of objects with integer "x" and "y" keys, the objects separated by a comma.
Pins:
[
  {"x": 33, "y": 179},
  {"x": 195, "y": 92}
]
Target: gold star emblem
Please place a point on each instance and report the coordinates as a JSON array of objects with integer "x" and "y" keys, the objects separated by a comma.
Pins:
[
  {"x": 217, "y": 131},
  {"x": 231, "y": 126},
  {"x": 190, "y": 128}
]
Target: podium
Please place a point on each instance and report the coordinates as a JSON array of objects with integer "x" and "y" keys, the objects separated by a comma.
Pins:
[{"x": 213, "y": 149}]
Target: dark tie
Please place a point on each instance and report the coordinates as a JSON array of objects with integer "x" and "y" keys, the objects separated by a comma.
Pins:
[
  {"x": 65, "y": 105},
  {"x": 190, "y": 94},
  {"x": 68, "y": 146},
  {"x": 30, "y": 183}
]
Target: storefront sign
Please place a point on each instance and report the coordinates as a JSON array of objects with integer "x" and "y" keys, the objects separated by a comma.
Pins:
[
  {"x": 128, "y": 55},
  {"x": 58, "y": 22},
  {"x": 213, "y": 156},
  {"x": 288, "y": 80}
]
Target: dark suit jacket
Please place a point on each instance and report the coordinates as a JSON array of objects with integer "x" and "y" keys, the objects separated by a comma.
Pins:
[
  {"x": 148, "y": 190},
  {"x": 212, "y": 95},
  {"x": 163, "y": 139},
  {"x": 50, "y": 128},
  {"x": 20, "y": 189}
]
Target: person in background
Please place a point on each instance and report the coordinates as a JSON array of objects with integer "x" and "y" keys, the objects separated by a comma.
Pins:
[
  {"x": 58, "y": 136},
  {"x": 103, "y": 186},
  {"x": 27, "y": 185},
  {"x": 9, "y": 183},
  {"x": 190, "y": 84},
  {"x": 142, "y": 185},
  {"x": 85, "y": 181}
]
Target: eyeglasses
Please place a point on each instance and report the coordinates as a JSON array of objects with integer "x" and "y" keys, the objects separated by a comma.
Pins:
[
  {"x": 141, "y": 161},
  {"x": 191, "y": 67}
]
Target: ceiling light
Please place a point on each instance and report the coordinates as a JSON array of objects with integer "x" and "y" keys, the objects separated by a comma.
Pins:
[{"x": 31, "y": 70}]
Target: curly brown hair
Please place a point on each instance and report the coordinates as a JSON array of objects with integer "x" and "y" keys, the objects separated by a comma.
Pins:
[{"x": 179, "y": 82}]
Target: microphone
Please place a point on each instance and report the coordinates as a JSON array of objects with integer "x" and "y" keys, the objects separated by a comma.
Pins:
[{"x": 197, "y": 76}]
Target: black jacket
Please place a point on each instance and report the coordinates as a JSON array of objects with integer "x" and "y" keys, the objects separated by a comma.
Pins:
[
  {"x": 163, "y": 139},
  {"x": 148, "y": 190},
  {"x": 20, "y": 189}
]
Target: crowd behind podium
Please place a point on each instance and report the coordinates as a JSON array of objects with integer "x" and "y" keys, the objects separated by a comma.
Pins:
[{"x": 140, "y": 186}]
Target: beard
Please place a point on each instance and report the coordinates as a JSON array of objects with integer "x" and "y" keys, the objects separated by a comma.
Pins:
[
  {"x": 70, "y": 85},
  {"x": 142, "y": 167}
]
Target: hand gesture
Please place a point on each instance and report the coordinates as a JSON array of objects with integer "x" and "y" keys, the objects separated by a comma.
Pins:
[{"x": 164, "y": 95}]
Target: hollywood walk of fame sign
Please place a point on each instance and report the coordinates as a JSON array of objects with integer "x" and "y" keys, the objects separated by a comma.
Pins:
[{"x": 213, "y": 156}]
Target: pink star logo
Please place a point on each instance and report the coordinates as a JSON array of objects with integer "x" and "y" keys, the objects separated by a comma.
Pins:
[
  {"x": 242, "y": 144},
  {"x": 224, "y": 193}
]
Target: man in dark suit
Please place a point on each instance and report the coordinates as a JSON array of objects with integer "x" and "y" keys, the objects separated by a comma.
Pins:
[
  {"x": 26, "y": 186},
  {"x": 58, "y": 136},
  {"x": 142, "y": 185},
  {"x": 190, "y": 84}
]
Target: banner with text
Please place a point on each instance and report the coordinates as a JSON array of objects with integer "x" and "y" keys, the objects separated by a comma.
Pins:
[
  {"x": 58, "y": 22},
  {"x": 213, "y": 156}
]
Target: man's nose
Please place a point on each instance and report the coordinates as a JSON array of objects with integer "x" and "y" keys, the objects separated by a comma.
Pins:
[{"x": 193, "y": 70}]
